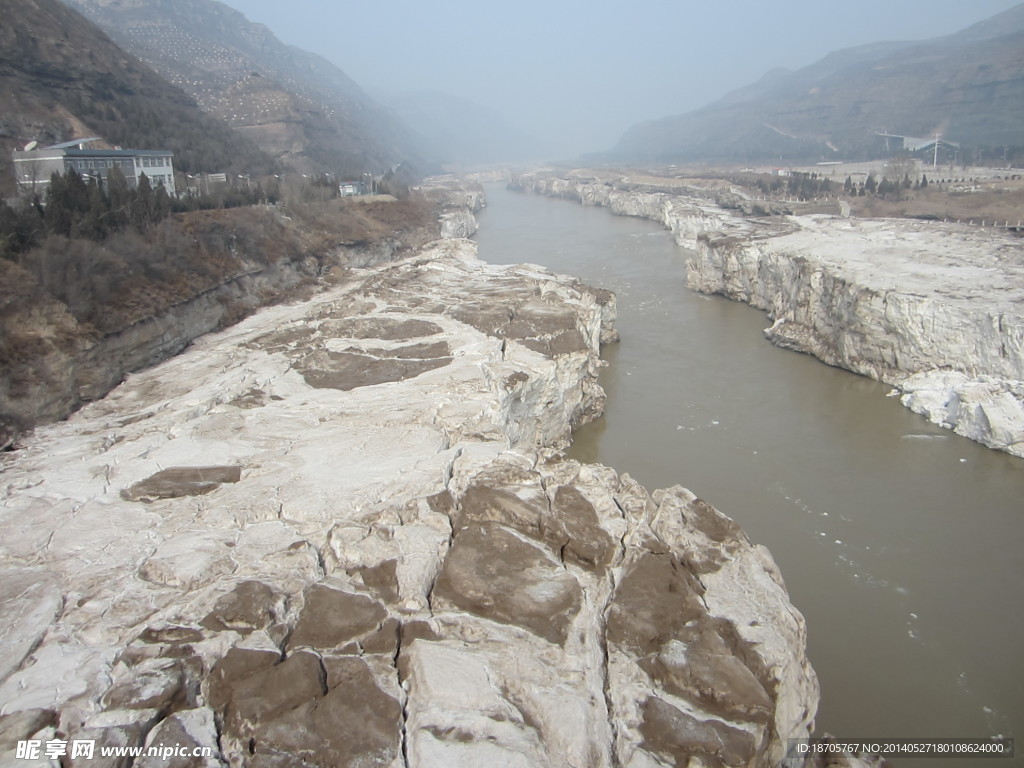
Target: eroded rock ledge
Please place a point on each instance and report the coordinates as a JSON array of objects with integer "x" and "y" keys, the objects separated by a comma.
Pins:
[
  {"x": 932, "y": 308},
  {"x": 336, "y": 535}
]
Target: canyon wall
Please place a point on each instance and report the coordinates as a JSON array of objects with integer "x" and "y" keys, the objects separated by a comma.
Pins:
[
  {"x": 340, "y": 532},
  {"x": 932, "y": 308}
]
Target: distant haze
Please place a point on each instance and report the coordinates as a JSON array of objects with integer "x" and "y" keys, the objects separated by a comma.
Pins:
[{"x": 578, "y": 74}]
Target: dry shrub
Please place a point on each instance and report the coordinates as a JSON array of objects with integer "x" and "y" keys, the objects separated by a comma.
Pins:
[
  {"x": 135, "y": 275},
  {"x": 349, "y": 221},
  {"x": 992, "y": 204}
]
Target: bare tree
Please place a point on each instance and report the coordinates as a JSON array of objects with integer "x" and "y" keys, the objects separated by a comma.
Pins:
[
  {"x": 899, "y": 167},
  {"x": 898, "y": 172}
]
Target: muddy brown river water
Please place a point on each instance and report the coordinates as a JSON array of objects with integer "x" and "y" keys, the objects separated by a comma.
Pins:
[{"x": 901, "y": 543}]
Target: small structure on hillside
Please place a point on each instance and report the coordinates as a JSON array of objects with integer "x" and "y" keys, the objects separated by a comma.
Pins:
[
  {"x": 33, "y": 166},
  {"x": 352, "y": 188},
  {"x": 924, "y": 147}
]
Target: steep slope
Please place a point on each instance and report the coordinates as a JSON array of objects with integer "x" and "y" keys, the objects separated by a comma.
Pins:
[
  {"x": 61, "y": 77},
  {"x": 294, "y": 104},
  {"x": 969, "y": 86}
]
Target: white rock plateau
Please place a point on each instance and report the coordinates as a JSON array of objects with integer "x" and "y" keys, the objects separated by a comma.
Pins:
[{"x": 339, "y": 534}]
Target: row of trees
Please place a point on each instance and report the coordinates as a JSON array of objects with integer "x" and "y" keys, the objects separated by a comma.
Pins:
[
  {"x": 798, "y": 185},
  {"x": 807, "y": 186},
  {"x": 886, "y": 188},
  {"x": 79, "y": 208}
]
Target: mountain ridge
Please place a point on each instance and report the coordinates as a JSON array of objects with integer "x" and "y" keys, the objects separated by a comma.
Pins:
[
  {"x": 294, "y": 104},
  {"x": 968, "y": 85},
  {"x": 61, "y": 77}
]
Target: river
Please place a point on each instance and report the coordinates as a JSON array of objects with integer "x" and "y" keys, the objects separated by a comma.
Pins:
[{"x": 901, "y": 543}]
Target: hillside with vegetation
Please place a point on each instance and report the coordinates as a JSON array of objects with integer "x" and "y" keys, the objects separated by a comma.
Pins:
[
  {"x": 61, "y": 78},
  {"x": 87, "y": 296},
  {"x": 968, "y": 86},
  {"x": 295, "y": 105}
]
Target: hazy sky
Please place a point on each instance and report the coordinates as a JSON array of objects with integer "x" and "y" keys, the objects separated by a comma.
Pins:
[{"x": 582, "y": 71}]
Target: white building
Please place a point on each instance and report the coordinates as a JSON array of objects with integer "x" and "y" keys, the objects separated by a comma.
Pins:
[{"x": 33, "y": 167}]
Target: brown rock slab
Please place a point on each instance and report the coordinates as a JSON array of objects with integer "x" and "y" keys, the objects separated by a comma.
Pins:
[
  {"x": 548, "y": 328},
  {"x": 490, "y": 319},
  {"x": 540, "y": 320},
  {"x": 588, "y": 544},
  {"x": 701, "y": 667},
  {"x": 570, "y": 527},
  {"x": 171, "y": 633},
  {"x": 422, "y": 351},
  {"x": 654, "y": 600},
  {"x": 254, "y": 398},
  {"x": 175, "y": 482},
  {"x": 382, "y": 578},
  {"x": 713, "y": 523},
  {"x": 442, "y": 502},
  {"x": 349, "y": 370},
  {"x": 286, "y": 338},
  {"x": 285, "y": 715},
  {"x": 495, "y": 574},
  {"x": 384, "y": 640},
  {"x": 250, "y": 605},
  {"x": 485, "y": 503},
  {"x": 385, "y": 328},
  {"x": 674, "y": 735},
  {"x": 270, "y": 692},
  {"x": 563, "y": 343},
  {"x": 237, "y": 665},
  {"x": 331, "y": 617},
  {"x": 161, "y": 688},
  {"x": 544, "y": 326},
  {"x": 355, "y": 724}
]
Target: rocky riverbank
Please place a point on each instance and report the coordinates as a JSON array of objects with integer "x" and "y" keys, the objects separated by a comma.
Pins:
[
  {"x": 932, "y": 308},
  {"x": 52, "y": 360},
  {"x": 338, "y": 532}
]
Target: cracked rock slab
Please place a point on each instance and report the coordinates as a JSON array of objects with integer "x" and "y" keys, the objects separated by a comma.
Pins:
[
  {"x": 30, "y": 600},
  {"x": 332, "y": 617},
  {"x": 495, "y": 574}
]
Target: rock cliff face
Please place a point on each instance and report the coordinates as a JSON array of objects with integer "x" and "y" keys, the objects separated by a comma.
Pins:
[
  {"x": 934, "y": 309},
  {"x": 337, "y": 534},
  {"x": 461, "y": 199}
]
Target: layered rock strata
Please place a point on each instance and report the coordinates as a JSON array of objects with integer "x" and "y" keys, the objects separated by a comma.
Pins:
[
  {"x": 932, "y": 308},
  {"x": 336, "y": 535}
]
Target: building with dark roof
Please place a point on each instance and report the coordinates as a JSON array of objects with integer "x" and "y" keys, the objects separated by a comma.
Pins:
[{"x": 33, "y": 167}]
